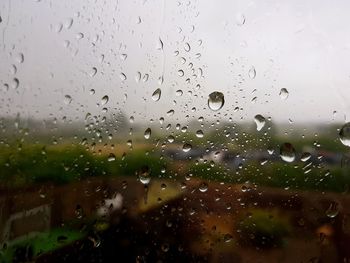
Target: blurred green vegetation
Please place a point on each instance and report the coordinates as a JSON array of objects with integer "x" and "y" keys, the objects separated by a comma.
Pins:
[
  {"x": 28, "y": 164},
  {"x": 263, "y": 228}
]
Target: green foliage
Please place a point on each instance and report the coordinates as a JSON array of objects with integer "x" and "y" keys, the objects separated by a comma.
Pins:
[{"x": 263, "y": 229}]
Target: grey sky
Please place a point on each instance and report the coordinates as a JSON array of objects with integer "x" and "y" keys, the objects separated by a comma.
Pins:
[{"x": 303, "y": 46}]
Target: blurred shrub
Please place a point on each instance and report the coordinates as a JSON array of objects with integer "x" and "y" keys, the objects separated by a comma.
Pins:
[{"x": 263, "y": 229}]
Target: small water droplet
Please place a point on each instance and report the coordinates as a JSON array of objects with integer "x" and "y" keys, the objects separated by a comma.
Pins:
[
  {"x": 240, "y": 19},
  {"x": 287, "y": 152},
  {"x": 156, "y": 94},
  {"x": 122, "y": 76},
  {"x": 186, "y": 147},
  {"x": 216, "y": 100},
  {"x": 199, "y": 134},
  {"x": 344, "y": 134},
  {"x": 104, "y": 100},
  {"x": 160, "y": 44},
  {"x": 187, "y": 47},
  {"x": 170, "y": 113},
  {"x": 252, "y": 72},
  {"x": 180, "y": 72},
  {"x": 171, "y": 139},
  {"x": 284, "y": 94},
  {"x": 148, "y": 133},
  {"x": 305, "y": 156},
  {"x": 203, "y": 187},
  {"x": 20, "y": 58},
  {"x": 111, "y": 157},
  {"x": 138, "y": 77},
  {"x": 332, "y": 210},
  {"x": 259, "y": 121},
  {"x": 67, "y": 99},
  {"x": 92, "y": 92},
  {"x": 80, "y": 36},
  {"x": 144, "y": 175},
  {"x": 179, "y": 93},
  {"x": 123, "y": 56},
  {"x": 93, "y": 72}
]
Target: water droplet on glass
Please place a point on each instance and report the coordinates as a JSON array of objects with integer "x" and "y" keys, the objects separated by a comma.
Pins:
[
  {"x": 68, "y": 23},
  {"x": 179, "y": 93},
  {"x": 203, "y": 187},
  {"x": 144, "y": 175},
  {"x": 93, "y": 72},
  {"x": 180, "y": 72},
  {"x": 259, "y": 121},
  {"x": 67, "y": 99},
  {"x": 305, "y": 156},
  {"x": 186, "y": 147},
  {"x": 332, "y": 210},
  {"x": 216, "y": 100},
  {"x": 15, "y": 83},
  {"x": 170, "y": 113},
  {"x": 20, "y": 58},
  {"x": 187, "y": 47},
  {"x": 284, "y": 94},
  {"x": 111, "y": 157},
  {"x": 240, "y": 19},
  {"x": 147, "y": 133},
  {"x": 199, "y": 134},
  {"x": 171, "y": 139},
  {"x": 344, "y": 134},
  {"x": 252, "y": 73},
  {"x": 92, "y": 92},
  {"x": 123, "y": 56},
  {"x": 287, "y": 152},
  {"x": 156, "y": 94},
  {"x": 138, "y": 77},
  {"x": 122, "y": 76},
  {"x": 80, "y": 36},
  {"x": 160, "y": 44},
  {"x": 104, "y": 100}
]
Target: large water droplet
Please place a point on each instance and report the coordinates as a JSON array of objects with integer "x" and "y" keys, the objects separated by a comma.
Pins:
[
  {"x": 252, "y": 73},
  {"x": 148, "y": 133},
  {"x": 284, "y": 94},
  {"x": 332, "y": 210},
  {"x": 216, "y": 100},
  {"x": 186, "y": 147},
  {"x": 199, "y": 134},
  {"x": 344, "y": 134},
  {"x": 104, "y": 100},
  {"x": 259, "y": 121},
  {"x": 156, "y": 94},
  {"x": 287, "y": 152}
]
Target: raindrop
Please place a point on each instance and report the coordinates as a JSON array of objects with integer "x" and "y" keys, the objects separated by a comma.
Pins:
[
  {"x": 104, "y": 100},
  {"x": 123, "y": 56},
  {"x": 186, "y": 147},
  {"x": 67, "y": 99},
  {"x": 179, "y": 93},
  {"x": 216, "y": 100},
  {"x": 259, "y": 121},
  {"x": 203, "y": 187},
  {"x": 187, "y": 47},
  {"x": 252, "y": 73},
  {"x": 171, "y": 139},
  {"x": 344, "y": 134},
  {"x": 287, "y": 152},
  {"x": 156, "y": 94},
  {"x": 122, "y": 76},
  {"x": 240, "y": 19},
  {"x": 93, "y": 72},
  {"x": 111, "y": 157},
  {"x": 92, "y": 92},
  {"x": 144, "y": 175},
  {"x": 170, "y": 113},
  {"x": 80, "y": 36},
  {"x": 68, "y": 23},
  {"x": 15, "y": 83},
  {"x": 305, "y": 156},
  {"x": 199, "y": 134},
  {"x": 138, "y": 77},
  {"x": 160, "y": 44},
  {"x": 180, "y": 72},
  {"x": 284, "y": 94},
  {"x": 20, "y": 58},
  {"x": 332, "y": 210},
  {"x": 147, "y": 133}
]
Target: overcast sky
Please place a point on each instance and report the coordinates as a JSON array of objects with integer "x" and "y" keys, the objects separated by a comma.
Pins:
[{"x": 302, "y": 46}]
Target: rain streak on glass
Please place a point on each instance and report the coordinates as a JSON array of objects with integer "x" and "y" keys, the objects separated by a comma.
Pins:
[
  {"x": 156, "y": 94},
  {"x": 216, "y": 100},
  {"x": 259, "y": 121},
  {"x": 284, "y": 94},
  {"x": 287, "y": 152},
  {"x": 344, "y": 134}
]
